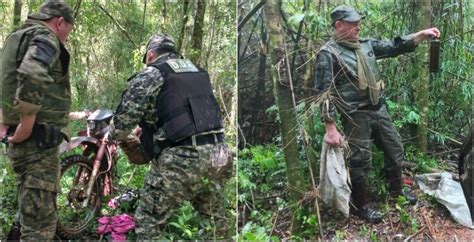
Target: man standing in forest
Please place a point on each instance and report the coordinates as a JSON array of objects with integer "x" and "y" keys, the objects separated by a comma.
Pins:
[
  {"x": 171, "y": 100},
  {"x": 35, "y": 104},
  {"x": 346, "y": 73}
]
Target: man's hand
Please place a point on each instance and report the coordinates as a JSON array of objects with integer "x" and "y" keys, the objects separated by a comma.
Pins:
[
  {"x": 332, "y": 136},
  {"x": 427, "y": 34},
  {"x": 24, "y": 129}
]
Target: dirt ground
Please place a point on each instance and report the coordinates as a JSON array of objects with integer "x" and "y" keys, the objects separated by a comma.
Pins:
[{"x": 425, "y": 220}]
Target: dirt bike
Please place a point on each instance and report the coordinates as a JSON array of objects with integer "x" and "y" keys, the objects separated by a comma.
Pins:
[{"x": 86, "y": 177}]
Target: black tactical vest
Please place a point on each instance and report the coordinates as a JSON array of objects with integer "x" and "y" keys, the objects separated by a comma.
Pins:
[{"x": 186, "y": 104}]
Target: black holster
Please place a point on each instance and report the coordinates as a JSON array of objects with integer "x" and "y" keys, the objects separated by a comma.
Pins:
[{"x": 47, "y": 135}]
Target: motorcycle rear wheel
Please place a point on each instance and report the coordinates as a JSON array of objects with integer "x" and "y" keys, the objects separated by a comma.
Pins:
[{"x": 73, "y": 217}]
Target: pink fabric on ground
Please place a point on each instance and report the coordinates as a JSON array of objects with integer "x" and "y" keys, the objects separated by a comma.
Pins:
[{"x": 116, "y": 225}]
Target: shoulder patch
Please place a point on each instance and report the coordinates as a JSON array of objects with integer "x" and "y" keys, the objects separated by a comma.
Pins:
[
  {"x": 182, "y": 65},
  {"x": 45, "y": 51}
]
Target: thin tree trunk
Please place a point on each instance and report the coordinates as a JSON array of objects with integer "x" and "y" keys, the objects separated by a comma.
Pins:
[
  {"x": 298, "y": 36},
  {"x": 214, "y": 32},
  {"x": 309, "y": 86},
  {"x": 424, "y": 21},
  {"x": 197, "y": 32},
  {"x": 260, "y": 90},
  {"x": 30, "y": 6},
  {"x": 183, "y": 26},
  {"x": 461, "y": 20},
  {"x": 163, "y": 11},
  {"x": 144, "y": 14},
  {"x": 16, "y": 13},
  {"x": 286, "y": 111}
]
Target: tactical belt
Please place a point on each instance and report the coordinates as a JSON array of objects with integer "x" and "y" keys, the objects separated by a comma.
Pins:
[
  {"x": 45, "y": 135},
  {"x": 201, "y": 140},
  {"x": 371, "y": 107}
]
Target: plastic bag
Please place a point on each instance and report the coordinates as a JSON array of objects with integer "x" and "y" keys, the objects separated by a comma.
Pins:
[
  {"x": 447, "y": 192},
  {"x": 334, "y": 183}
]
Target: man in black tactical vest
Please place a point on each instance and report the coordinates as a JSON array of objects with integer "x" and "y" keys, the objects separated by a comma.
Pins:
[{"x": 180, "y": 131}]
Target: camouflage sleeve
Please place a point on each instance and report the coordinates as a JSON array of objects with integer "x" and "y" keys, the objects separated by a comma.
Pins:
[
  {"x": 33, "y": 73},
  {"x": 398, "y": 46},
  {"x": 137, "y": 101},
  {"x": 324, "y": 82}
]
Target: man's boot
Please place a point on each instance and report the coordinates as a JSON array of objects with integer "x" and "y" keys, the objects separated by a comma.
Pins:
[
  {"x": 15, "y": 232},
  {"x": 360, "y": 201},
  {"x": 396, "y": 188}
]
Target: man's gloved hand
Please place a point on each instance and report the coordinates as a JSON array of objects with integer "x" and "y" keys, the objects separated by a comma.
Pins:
[{"x": 132, "y": 147}]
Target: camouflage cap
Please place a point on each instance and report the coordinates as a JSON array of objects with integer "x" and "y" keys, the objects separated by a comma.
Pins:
[
  {"x": 54, "y": 8},
  {"x": 345, "y": 13},
  {"x": 160, "y": 42}
]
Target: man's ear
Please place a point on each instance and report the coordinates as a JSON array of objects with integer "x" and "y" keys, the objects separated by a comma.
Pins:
[
  {"x": 150, "y": 55},
  {"x": 337, "y": 24}
]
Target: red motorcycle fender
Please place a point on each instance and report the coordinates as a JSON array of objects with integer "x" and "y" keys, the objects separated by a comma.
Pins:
[{"x": 75, "y": 142}]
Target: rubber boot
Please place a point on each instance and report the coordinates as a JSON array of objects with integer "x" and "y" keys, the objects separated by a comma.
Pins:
[
  {"x": 360, "y": 201},
  {"x": 15, "y": 232},
  {"x": 396, "y": 188}
]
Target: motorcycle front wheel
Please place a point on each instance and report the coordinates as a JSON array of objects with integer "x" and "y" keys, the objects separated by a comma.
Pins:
[{"x": 74, "y": 217}]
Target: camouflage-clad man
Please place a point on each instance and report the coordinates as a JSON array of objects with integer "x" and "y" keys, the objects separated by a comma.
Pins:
[
  {"x": 35, "y": 103},
  {"x": 181, "y": 129},
  {"x": 346, "y": 69}
]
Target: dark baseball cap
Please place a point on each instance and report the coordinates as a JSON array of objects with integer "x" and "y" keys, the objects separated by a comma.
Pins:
[
  {"x": 162, "y": 42},
  {"x": 54, "y": 8},
  {"x": 345, "y": 13}
]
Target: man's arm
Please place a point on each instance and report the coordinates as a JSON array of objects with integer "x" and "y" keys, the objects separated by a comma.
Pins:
[
  {"x": 323, "y": 82},
  {"x": 24, "y": 128},
  {"x": 426, "y": 34},
  {"x": 139, "y": 98},
  {"x": 403, "y": 44}
]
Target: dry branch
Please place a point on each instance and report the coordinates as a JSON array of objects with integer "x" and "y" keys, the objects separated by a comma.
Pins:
[{"x": 415, "y": 234}]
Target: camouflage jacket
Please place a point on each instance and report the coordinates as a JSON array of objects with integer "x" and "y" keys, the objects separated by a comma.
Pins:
[
  {"x": 35, "y": 76},
  {"x": 138, "y": 102},
  {"x": 336, "y": 71}
]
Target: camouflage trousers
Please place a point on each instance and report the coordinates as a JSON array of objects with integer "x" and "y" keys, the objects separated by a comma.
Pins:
[
  {"x": 365, "y": 127},
  {"x": 178, "y": 174},
  {"x": 38, "y": 175}
]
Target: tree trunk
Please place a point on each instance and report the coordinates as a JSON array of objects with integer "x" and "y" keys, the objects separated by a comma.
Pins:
[
  {"x": 30, "y": 6},
  {"x": 424, "y": 21},
  {"x": 260, "y": 90},
  {"x": 183, "y": 27},
  {"x": 284, "y": 100},
  {"x": 197, "y": 32},
  {"x": 16, "y": 13}
]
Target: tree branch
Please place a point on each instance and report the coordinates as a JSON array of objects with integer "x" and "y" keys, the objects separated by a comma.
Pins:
[
  {"x": 118, "y": 25},
  {"x": 76, "y": 10},
  {"x": 250, "y": 14}
]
